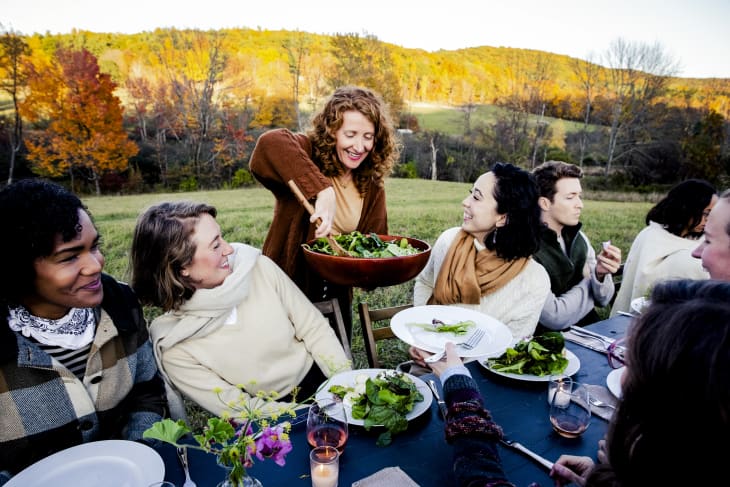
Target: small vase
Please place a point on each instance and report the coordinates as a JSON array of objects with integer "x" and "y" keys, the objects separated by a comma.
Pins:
[{"x": 246, "y": 481}]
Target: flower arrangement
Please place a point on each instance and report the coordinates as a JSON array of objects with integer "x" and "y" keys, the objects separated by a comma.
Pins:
[{"x": 249, "y": 428}]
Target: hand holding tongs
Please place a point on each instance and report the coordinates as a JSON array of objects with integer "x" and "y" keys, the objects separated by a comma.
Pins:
[{"x": 308, "y": 206}]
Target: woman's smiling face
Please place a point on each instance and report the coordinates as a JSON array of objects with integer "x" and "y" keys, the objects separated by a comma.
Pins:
[
  {"x": 70, "y": 277},
  {"x": 480, "y": 208},
  {"x": 210, "y": 266},
  {"x": 355, "y": 139}
]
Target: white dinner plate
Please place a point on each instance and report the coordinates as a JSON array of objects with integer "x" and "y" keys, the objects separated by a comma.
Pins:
[
  {"x": 613, "y": 381},
  {"x": 495, "y": 341},
  {"x": 638, "y": 305},
  {"x": 572, "y": 368},
  {"x": 347, "y": 379},
  {"x": 110, "y": 462}
]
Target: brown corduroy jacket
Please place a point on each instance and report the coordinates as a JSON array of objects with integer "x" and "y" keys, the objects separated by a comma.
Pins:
[{"x": 279, "y": 156}]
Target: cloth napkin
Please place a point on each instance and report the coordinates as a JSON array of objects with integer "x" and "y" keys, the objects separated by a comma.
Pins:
[
  {"x": 585, "y": 341},
  {"x": 602, "y": 394},
  {"x": 387, "y": 477}
]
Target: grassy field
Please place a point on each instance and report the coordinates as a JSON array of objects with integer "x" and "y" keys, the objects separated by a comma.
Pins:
[
  {"x": 450, "y": 120},
  {"x": 417, "y": 208}
]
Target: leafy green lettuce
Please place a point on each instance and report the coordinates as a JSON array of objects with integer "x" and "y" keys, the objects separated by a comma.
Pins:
[
  {"x": 387, "y": 399},
  {"x": 540, "y": 355},
  {"x": 368, "y": 246}
]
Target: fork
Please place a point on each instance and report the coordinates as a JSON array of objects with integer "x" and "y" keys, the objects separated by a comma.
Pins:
[
  {"x": 469, "y": 344},
  {"x": 182, "y": 455},
  {"x": 599, "y": 403}
]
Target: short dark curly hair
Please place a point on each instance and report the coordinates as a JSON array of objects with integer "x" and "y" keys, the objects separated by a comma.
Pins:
[
  {"x": 516, "y": 193},
  {"x": 549, "y": 173},
  {"x": 34, "y": 213}
]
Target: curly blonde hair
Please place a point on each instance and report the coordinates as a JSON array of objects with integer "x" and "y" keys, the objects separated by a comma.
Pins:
[{"x": 326, "y": 123}]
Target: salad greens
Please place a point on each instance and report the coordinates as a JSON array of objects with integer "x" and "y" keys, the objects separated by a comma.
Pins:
[
  {"x": 438, "y": 326},
  {"x": 368, "y": 246},
  {"x": 385, "y": 401},
  {"x": 539, "y": 355}
]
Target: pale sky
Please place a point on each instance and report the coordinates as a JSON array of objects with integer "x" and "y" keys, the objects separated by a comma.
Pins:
[{"x": 696, "y": 33}]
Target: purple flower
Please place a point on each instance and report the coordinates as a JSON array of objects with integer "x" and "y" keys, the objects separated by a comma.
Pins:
[{"x": 273, "y": 443}]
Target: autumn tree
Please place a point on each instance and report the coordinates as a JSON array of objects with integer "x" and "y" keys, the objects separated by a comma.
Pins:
[
  {"x": 587, "y": 73},
  {"x": 297, "y": 50},
  {"x": 367, "y": 62},
  {"x": 13, "y": 79},
  {"x": 194, "y": 82},
  {"x": 702, "y": 148},
  {"x": 84, "y": 133},
  {"x": 638, "y": 74}
]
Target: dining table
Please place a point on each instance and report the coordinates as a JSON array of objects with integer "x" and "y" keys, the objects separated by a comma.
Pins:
[{"x": 520, "y": 407}]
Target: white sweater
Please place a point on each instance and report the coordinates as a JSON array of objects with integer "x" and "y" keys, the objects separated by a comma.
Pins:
[
  {"x": 257, "y": 329},
  {"x": 517, "y": 304},
  {"x": 656, "y": 255}
]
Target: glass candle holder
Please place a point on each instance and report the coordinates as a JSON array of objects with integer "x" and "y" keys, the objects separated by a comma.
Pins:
[{"x": 324, "y": 462}]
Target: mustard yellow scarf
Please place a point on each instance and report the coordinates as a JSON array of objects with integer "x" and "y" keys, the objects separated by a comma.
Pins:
[{"x": 466, "y": 275}]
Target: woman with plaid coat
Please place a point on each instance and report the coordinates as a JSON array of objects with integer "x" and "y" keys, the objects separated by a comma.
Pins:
[{"x": 76, "y": 364}]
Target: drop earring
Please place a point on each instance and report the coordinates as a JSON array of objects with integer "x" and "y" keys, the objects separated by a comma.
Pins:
[{"x": 494, "y": 236}]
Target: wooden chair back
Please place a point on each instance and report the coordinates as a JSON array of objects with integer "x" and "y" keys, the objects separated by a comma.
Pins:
[
  {"x": 331, "y": 310},
  {"x": 370, "y": 334}
]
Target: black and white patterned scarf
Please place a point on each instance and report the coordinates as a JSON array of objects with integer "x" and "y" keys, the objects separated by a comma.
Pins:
[{"x": 73, "y": 331}]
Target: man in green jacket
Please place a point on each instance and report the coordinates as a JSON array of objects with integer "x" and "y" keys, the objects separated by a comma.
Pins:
[{"x": 579, "y": 279}]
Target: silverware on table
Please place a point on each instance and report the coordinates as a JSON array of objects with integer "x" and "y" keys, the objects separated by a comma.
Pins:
[
  {"x": 182, "y": 455},
  {"x": 439, "y": 401},
  {"x": 523, "y": 449},
  {"x": 582, "y": 331},
  {"x": 588, "y": 339}
]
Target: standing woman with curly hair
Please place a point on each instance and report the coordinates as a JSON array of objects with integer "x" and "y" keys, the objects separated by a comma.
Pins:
[{"x": 341, "y": 163}]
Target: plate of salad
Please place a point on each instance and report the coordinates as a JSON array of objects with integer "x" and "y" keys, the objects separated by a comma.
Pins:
[
  {"x": 377, "y": 398},
  {"x": 430, "y": 327},
  {"x": 535, "y": 359}
]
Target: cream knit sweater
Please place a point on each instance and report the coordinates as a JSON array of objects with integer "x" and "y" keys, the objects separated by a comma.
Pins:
[
  {"x": 517, "y": 305},
  {"x": 656, "y": 255},
  {"x": 257, "y": 329}
]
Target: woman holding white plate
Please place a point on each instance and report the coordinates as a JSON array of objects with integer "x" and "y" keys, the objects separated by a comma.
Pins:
[{"x": 486, "y": 263}]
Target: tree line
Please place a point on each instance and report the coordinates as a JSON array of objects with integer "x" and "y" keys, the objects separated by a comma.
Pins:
[{"x": 181, "y": 109}]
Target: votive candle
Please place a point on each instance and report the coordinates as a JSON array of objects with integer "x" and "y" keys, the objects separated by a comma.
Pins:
[{"x": 324, "y": 464}]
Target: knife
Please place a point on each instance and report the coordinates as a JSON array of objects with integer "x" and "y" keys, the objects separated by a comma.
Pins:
[
  {"x": 439, "y": 401},
  {"x": 523, "y": 449}
]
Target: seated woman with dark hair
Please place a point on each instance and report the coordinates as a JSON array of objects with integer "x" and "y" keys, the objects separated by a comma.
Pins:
[
  {"x": 485, "y": 264},
  {"x": 233, "y": 317},
  {"x": 657, "y": 435},
  {"x": 76, "y": 364},
  {"x": 663, "y": 249}
]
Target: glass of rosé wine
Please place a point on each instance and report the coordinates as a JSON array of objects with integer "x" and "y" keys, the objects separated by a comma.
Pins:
[{"x": 327, "y": 425}]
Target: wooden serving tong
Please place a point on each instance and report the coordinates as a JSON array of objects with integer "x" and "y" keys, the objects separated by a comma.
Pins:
[{"x": 308, "y": 206}]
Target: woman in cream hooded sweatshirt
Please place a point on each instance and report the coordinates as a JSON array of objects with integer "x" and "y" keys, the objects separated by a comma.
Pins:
[
  {"x": 233, "y": 318},
  {"x": 663, "y": 249}
]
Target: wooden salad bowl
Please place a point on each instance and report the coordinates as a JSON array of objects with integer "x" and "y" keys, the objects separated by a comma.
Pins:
[{"x": 369, "y": 273}]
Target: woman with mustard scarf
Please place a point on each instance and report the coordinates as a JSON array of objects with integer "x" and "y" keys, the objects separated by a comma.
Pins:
[{"x": 486, "y": 264}]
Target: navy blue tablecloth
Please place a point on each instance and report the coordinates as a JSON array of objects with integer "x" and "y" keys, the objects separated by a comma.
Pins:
[{"x": 520, "y": 407}]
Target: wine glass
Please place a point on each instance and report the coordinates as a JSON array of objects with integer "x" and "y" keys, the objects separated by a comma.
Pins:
[
  {"x": 570, "y": 410},
  {"x": 327, "y": 425}
]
